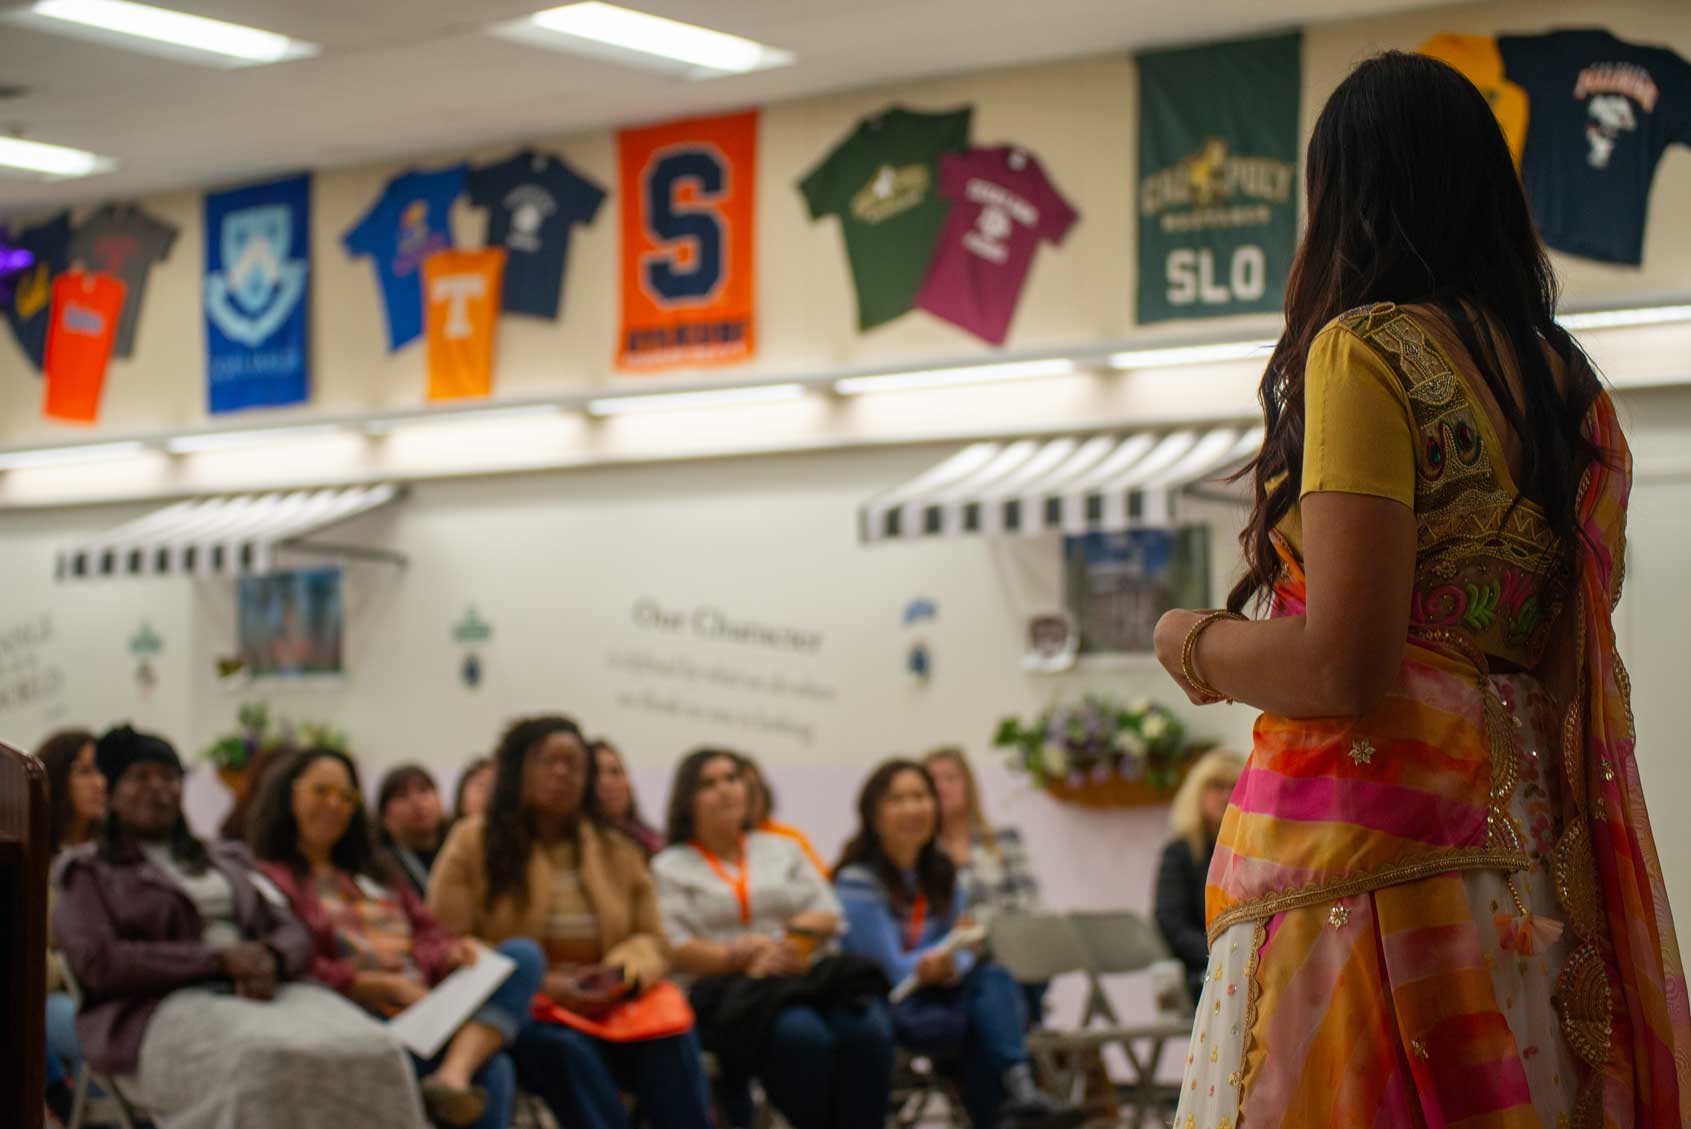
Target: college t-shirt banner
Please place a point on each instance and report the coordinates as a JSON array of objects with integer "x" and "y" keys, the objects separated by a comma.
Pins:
[
  {"x": 688, "y": 206},
  {"x": 257, "y": 286},
  {"x": 1218, "y": 150}
]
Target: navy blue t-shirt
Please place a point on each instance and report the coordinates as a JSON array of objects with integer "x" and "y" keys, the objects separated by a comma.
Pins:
[
  {"x": 30, "y": 309},
  {"x": 410, "y": 222},
  {"x": 533, "y": 200},
  {"x": 1601, "y": 113}
]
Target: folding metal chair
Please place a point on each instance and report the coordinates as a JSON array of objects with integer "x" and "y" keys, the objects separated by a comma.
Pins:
[
  {"x": 1123, "y": 942},
  {"x": 129, "y": 1114}
]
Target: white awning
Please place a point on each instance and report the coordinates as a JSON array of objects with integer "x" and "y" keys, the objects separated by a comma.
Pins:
[
  {"x": 230, "y": 536},
  {"x": 1069, "y": 485}
]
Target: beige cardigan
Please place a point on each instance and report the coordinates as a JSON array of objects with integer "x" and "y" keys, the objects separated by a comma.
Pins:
[{"x": 613, "y": 876}]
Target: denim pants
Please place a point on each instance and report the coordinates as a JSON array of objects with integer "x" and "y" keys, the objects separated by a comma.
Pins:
[
  {"x": 582, "y": 1078},
  {"x": 994, "y": 1013},
  {"x": 831, "y": 1069},
  {"x": 64, "y": 1054},
  {"x": 505, "y": 1011}
]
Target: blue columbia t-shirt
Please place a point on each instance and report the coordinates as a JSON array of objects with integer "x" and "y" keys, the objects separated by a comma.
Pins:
[
  {"x": 1602, "y": 112},
  {"x": 533, "y": 199},
  {"x": 410, "y": 222}
]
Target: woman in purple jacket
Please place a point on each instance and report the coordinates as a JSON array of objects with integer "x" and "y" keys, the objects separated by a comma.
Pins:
[{"x": 186, "y": 973}]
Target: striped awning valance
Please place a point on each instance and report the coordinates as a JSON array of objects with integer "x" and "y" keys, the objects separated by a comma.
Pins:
[{"x": 1069, "y": 485}]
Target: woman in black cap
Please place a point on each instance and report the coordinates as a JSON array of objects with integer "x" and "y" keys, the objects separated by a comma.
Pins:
[{"x": 185, "y": 968}]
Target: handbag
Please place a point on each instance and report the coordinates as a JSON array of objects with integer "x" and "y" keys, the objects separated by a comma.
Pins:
[{"x": 660, "y": 1012}]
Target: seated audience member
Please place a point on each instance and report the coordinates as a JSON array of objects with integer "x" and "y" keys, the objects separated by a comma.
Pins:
[
  {"x": 187, "y": 973},
  {"x": 616, "y": 799},
  {"x": 412, "y": 824},
  {"x": 475, "y": 785},
  {"x": 1195, "y": 817},
  {"x": 901, "y": 900},
  {"x": 541, "y": 864},
  {"x": 76, "y": 793},
  {"x": 373, "y": 940},
  {"x": 247, "y": 788},
  {"x": 744, "y": 910},
  {"x": 760, "y": 813},
  {"x": 992, "y": 866}
]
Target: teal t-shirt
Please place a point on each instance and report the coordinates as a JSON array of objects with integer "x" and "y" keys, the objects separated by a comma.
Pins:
[{"x": 882, "y": 181}]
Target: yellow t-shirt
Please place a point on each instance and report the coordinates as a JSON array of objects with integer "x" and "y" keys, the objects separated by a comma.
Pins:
[
  {"x": 461, "y": 308},
  {"x": 1477, "y": 57},
  {"x": 1359, "y": 431}
]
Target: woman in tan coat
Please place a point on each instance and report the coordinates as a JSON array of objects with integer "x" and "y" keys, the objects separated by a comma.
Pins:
[{"x": 541, "y": 864}]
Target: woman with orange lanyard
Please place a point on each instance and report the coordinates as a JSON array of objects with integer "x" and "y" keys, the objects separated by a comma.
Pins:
[
  {"x": 745, "y": 912},
  {"x": 901, "y": 899}
]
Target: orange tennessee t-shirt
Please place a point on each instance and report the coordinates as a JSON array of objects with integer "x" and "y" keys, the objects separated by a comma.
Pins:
[
  {"x": 461, "y": 308},
  {"x": 86, "y": 309}
]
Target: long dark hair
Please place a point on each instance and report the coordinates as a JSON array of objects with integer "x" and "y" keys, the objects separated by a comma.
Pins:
[
  {"x": 679, "y": 827},
  {"x": 1413, "y": 198},
  {"x": 58, "y": 755},
  {"x": 603, "y": 745},
  {"x": 273, "y": 832},
  {"x": 510, "y": 827},
  {"x": 936, "y": 875},
  {"x": 476, "y": 765}
]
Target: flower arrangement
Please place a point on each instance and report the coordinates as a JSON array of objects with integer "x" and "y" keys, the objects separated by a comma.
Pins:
[
  {"x": 1097, "y": 742},
  {"x": 232, "y": 752}
]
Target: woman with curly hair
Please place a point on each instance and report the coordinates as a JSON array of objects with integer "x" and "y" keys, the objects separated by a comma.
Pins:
[{"x": 541, "y": 864}]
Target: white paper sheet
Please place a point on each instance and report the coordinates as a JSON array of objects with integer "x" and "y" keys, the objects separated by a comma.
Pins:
[{"x": 424, "y": 1027}]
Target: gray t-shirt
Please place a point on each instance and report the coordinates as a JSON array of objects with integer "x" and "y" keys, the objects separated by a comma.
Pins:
[
  {"x": 697, "y": 905},
  {"x": 123, "y": 241},
  {"x": 209, "y": 891}
]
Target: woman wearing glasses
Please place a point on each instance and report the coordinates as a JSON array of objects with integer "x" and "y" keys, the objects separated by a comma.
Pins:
[{"x": 375, "y": 942}]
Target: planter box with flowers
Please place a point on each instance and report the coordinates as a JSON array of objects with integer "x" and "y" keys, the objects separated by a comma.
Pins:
[
  {"x": 1100, "y": 754},
  {"x": 233, "y": 753}
]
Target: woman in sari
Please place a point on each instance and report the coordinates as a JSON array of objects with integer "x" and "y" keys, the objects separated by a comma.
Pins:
[{"x": 1435, "y": 899}]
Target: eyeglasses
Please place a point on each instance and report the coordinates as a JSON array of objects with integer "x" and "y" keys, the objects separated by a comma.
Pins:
[{"x": 330, "y": 793}]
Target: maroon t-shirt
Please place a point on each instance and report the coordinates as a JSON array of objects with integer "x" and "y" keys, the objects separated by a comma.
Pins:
[{"x": 1002, "y": 205}]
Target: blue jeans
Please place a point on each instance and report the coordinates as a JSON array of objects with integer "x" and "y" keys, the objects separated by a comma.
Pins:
[
  {"x": 581, "y": 1078},
  {"x": 505, "y": 1011},
  {"x": 995, "y": 1019},
  {"x": 833, "y": 1069},
  {"x": 64, "y": 1053}
]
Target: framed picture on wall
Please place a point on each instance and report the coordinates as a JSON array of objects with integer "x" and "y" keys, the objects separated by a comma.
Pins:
[
  {"x": 291, "y": 623},
  {"x": 1119, "y": 584}
]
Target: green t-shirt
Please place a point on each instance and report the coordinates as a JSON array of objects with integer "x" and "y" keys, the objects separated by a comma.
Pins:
[{"x": 881, "y": 181}]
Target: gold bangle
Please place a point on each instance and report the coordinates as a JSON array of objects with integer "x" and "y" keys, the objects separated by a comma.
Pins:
[{"x": 1188, "y": 670}]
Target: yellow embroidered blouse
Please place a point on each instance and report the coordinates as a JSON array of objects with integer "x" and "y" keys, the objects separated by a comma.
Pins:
[{"x": 1389, "y": 412}]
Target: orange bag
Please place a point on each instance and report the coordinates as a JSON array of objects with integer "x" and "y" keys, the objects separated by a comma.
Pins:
[{"x": 657, "y": 1013}]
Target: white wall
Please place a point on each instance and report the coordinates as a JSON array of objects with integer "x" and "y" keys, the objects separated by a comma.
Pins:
[{"x": 1079, "y": 116}]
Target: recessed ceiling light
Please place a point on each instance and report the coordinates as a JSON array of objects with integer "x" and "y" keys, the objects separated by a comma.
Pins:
[
  {"x": 709, "y": 398},
  {"x": 950, "y": 377},
  {"x": 66, "y": 456},
  {"x": 59, "y": 162},
  {"x": 197, "y": 442},
  {"x": 624, "y": 35},
  {"x": 142, "y": 26}
]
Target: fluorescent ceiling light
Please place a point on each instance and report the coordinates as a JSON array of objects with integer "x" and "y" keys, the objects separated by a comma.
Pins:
[
  {"x": 453, "y": 419},
  {"x": 947, "y": 377},
  {"x": 715, "y": 398},
  {"x": 630, "y": 36},
  {"x": 67, "y": 456},
  {"x": 1618, "y": 319},
  {"x": 229, "y": 44},
  {"x": 1193, "y": 355},
  {"x": 229, "y": 440},
  {"x": 56, "y": 161}
]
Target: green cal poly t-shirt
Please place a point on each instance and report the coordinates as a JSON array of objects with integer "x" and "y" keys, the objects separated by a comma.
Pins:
[{"x": 881, "y": 181}]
